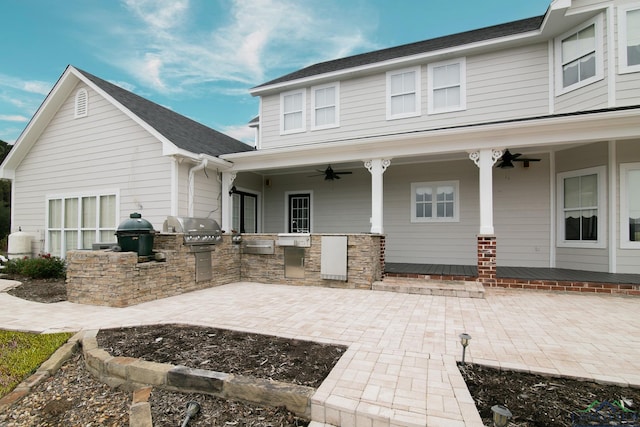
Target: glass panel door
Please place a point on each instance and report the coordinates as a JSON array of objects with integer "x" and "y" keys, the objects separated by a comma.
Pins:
[{"x": 299, "y": 213}]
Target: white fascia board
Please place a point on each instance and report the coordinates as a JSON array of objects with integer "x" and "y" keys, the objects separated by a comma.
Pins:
[
  {"x": 171, "y": 150},
  {"x": 545, "y": 132}
]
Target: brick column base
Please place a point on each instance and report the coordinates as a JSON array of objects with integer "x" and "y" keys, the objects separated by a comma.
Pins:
[{"x": 487, "y": 260}]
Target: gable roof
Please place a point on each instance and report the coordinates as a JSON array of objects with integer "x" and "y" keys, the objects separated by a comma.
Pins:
[
  {"x": 182, "y": 131},
  {"x": 459, "y": 39}
]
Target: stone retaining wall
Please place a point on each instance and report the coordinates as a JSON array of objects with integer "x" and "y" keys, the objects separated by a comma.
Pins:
[
  {"x": 131, "y": 373},
  {"x": 117, "y": 279}
]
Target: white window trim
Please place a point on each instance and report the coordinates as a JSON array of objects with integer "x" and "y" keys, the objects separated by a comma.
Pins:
[
  {"x": 418, "y": 91},
  {"x": 304, "y": 112},
  {"x": 74, "y": 195},
  {"x": 560, "y": 89},
  {"x": 623, "y": 68},
  {"x": 336, "y": 123},
  {"x": 463, "y": 86},
  {"x": 601, "y": 243},
  {"x": 625, "y": 243},
  {"x": 81, "y": 111},
  {"x": 434, "y": 184}
]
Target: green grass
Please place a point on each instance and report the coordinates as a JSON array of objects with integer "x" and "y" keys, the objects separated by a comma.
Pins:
[{"x": 21, "y": 353}]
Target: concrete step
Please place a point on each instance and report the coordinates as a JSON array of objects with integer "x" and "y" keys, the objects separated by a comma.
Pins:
[{"x": 460, "y": 289}]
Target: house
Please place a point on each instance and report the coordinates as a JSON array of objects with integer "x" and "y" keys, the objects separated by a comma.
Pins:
[
  {"x": 94, "y": 153},
  {"x": 516, "y": 145}
]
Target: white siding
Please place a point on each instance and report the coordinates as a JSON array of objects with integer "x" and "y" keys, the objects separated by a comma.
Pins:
[
  {"x": 507, "y": 84},
  {"x": 207, "y": 202},
  {"x": 522, "y": 214},
  {"x": 339, "y": 206},
  {"x": 104, "y": 151},
  {"x": 430, "y": 243},
  {"x": 628, "y": 89}
]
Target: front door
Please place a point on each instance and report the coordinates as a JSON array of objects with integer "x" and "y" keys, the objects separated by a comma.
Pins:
[{"x": 299, "y": 213}]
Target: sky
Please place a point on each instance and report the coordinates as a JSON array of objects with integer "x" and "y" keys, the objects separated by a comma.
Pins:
[{"x": 201, "y": 57}]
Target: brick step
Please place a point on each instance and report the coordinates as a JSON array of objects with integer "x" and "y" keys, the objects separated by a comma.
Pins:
[{"x": 449, "y": 288}]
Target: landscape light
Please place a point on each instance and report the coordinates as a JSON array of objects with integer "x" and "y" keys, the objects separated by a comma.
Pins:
[
  {"x": 464, "y": 340},
  {"x": 192, "y": 410},
  {"x": 501, "y": 415}
]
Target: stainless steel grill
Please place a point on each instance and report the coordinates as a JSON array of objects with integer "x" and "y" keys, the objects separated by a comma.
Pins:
[
  {"x": 200, "y": 235},
  {"x": 197, "y": 231}
]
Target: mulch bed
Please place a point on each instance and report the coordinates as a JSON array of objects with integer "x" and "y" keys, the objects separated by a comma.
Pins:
[
  {"x": 262, "y": 356},
  {"x": 540, "y": 401}
]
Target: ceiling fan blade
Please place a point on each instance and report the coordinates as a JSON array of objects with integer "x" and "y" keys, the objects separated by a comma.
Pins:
[
  {"x": 343, "y": 173},
  {"x": 526, "y": 160}
]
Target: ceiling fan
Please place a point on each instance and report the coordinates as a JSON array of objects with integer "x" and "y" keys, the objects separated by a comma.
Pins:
[
  {"x": 507, "y": 159},
  {"x": 329, "y": 174}
]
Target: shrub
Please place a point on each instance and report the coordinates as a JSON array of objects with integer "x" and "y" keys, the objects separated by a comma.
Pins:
[{"x": 42, "y": 267}]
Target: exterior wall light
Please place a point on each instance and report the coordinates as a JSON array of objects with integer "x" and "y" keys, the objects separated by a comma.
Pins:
[
  {"x": 464, "y": 340},
  {"x": 501, "y": 415}
]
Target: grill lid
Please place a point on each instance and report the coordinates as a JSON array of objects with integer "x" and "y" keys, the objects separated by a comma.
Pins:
[
  {"x": 135, "y": 223},
  {"x": 196, "y": 230}
]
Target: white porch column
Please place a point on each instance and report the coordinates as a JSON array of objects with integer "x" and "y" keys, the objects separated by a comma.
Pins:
[
  {"x": 485, "y": 159},
  {"x": 227, "y": 213},
  {"x": 377, "y": 167}
]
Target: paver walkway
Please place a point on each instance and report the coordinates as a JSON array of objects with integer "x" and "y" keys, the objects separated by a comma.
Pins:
[{"x": 400, "y": 369}]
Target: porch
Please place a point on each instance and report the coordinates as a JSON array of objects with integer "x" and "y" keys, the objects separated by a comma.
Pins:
[{"x": 552, "y": 279}]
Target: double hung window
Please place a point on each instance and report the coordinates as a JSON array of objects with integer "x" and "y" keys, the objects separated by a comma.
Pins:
[
  {"x": 581, "y": 202},
  {"x": 326, "y": 108},
  {"x": 629, "y": 38},
  {"x": 447, "y": 86},
  {"x": 292, "y": 112},
  {"x": 435, "y": 201},
  {"x": 579, "y": 56},
  {"x": 403, "y": 93},
  {"x": 76, "y": 222},
  {"x": 630, "y": 205}
]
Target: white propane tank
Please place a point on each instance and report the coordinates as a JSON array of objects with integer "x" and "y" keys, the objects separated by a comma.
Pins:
[{"x": 19, "y": 245}]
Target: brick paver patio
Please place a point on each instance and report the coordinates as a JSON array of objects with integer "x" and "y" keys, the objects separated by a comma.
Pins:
[{"x": 400, "y": 368}]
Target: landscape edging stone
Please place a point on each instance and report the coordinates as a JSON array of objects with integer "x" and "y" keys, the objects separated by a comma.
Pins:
[{"x": 137, "y": 373}]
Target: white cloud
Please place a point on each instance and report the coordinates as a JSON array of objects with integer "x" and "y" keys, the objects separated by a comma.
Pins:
[
  {"x": 30, "y": 86},
  {"x": 13, "y": 118},
  {"x": 240, "y": 132},
  {"x": 247, "y": 42}
]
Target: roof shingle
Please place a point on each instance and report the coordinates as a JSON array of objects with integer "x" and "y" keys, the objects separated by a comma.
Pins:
[
  {"x": 185, "y": 133},
  {"x": 488, "y": 33}
]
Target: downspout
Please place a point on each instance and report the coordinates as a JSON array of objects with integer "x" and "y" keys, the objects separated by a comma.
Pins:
[{"x": 192, "y": 172}]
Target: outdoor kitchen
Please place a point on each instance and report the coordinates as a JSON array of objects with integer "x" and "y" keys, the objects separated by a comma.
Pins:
[{"x": 190, "y": 254}]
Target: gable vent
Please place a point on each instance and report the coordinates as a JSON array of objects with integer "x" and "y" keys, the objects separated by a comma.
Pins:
[{"x": 82, "y": 103}]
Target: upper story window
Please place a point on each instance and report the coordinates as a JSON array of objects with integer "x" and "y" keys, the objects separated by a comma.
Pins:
[
  {"x": 292, "y": 112},
  {"x": 435, "y": 201},
  {"x": 630, "y": 205},
  {"x": 629, "y": 38},
  {"x": 579, "y": 57},
  {"x": 82, "y": 104},
  {"x": 326, "y": 107},
  {"x": 403, "y": 93},
  {"x": 581, "y": 199},
  {"x": 447, "y": 86}
]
